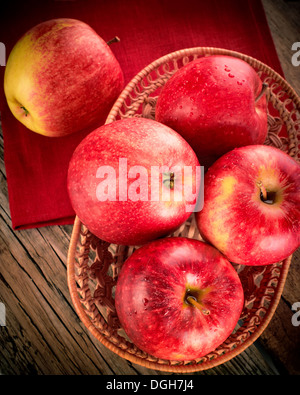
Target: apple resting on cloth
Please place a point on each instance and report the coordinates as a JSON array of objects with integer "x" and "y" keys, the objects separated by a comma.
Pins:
[
  {"x": 178, "y": 298},
  {"x": 216, "y": 103},
  {"x": 133, "y": 180},
  {"x": 251, "y": 207},
  {"x": 61, "y": 77}
]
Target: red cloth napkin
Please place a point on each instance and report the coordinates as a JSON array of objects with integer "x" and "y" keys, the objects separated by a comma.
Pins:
[{"x": 36, "y": 166}]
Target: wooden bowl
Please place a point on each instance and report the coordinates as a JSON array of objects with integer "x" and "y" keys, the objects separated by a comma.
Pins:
[{"x": 93, "y": 265}]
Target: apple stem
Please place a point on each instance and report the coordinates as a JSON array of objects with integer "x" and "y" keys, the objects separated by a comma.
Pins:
[
  {"x": 263, "y": 190},
  {"x": 263, "y": 89},
  {"x": 169, "y": 181},
  {"x": 113, "y": 40},
  {"x": 193, "y": 302},
  {"x": 25, "y": 110}
]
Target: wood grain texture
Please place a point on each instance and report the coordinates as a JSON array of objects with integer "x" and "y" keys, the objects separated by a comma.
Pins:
[
  {"x": 281, "y": 338},
  {"x": 43, "y": 334},
  {"x": 283, "y": 19}
]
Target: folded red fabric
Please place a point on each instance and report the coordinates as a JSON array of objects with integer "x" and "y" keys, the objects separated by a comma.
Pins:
[{"x": 36, "y": 166}]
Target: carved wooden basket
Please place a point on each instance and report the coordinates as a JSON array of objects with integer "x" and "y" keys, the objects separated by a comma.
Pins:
[{"x": 93, "y": 265}]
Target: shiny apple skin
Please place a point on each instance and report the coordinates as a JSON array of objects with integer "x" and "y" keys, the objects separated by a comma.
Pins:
[
  {"x": 234, "y": 218},
  {"x": 143, "y": 142},
  {"x": 211, "y": 103},
  {"x": 65, "y": 76},
  {"x": 150, "y": 298}
]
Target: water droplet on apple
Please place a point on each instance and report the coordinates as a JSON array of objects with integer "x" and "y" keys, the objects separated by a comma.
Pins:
[
  {"x": 239, "y": 83},
  {"x": 145, "y": 301},
  {"x": 230, "y": 75}
]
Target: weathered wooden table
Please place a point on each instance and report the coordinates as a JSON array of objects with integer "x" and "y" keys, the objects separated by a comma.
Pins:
[{"x": 43, "y": 334}]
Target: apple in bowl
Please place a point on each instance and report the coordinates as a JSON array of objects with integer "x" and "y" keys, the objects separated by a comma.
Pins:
[
  {"x": 178, "y": 298},
  {"x": 61, "y": 77},
  {"x": 133, "y": 180},
  {"x": 251, "y": 207},
  {"x": 216, "y": 103}
]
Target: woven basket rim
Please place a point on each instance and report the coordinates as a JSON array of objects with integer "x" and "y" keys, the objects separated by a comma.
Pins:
[
  {"x": 204, "y": 51},
  {"x": 153, "y": 365}
]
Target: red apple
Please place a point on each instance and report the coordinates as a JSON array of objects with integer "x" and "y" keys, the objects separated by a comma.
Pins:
[
  {"x": 214, "y": 102},
  {"x": 178, "y": 298},
  {"x": 251, "y": 207},
  {"x": 133, "y": 180},
  {"x": 61, "y": 77}
]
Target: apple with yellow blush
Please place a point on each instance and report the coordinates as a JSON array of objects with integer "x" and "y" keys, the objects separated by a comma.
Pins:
[
  {"x": 61, "y": 77},
  {"x": 251, "y": 207}
]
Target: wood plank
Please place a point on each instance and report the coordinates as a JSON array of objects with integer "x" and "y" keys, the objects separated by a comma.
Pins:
[
  {"x": 283, "y": 19},
  {"x": 37, "y": 307},
  {"x": 281, "y": 339}
]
